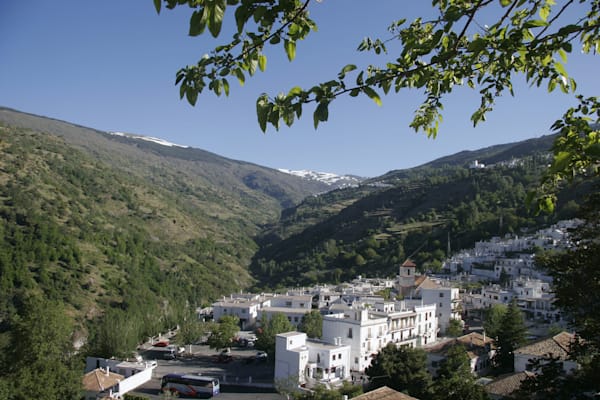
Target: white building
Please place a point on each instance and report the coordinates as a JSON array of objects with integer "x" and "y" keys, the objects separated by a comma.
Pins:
[
  {"x": 368, "y": 330},
  {"x": 310, "y": 361},
  {"x": 293, "y": 307},
  {"x": 447, "y": 301},
  {"x": 556, "y": 346},
  {"x": 245, "y": 307},
  {"x": 134, "y": 374},
  {"x": 365, "y": 334}
]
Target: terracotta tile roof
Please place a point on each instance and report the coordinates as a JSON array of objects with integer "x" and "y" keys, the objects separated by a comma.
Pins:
[
  {"x": 408, "y": 263},
  {"x": 426, "y": 283},
  {"x": 419, "y": 280},
  {"x": 475, "y": 339},
  {"x": 98, "y": 380},
  {"x": 473, "y": 343},
  {"x": 557, "y": 345},
  {"x": 507, "y": 384},
  {"x": 384, "y": 393}
]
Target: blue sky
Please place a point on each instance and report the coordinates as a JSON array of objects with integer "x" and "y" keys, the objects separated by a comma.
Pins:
[{"x": 111, "y": 65}]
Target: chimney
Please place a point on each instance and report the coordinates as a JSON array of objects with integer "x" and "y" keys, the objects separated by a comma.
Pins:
[{"x": 107, "y": 370}]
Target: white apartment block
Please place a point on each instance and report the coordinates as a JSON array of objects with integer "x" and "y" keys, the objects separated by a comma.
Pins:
[
  {"x": 310, "y": 361},
  {"x": 364, "y": 333},
  {"x": 447, "y": 301},
  {"x": 368, "y": 330}
]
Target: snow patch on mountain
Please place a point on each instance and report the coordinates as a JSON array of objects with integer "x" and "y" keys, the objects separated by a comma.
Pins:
[
  {"x": 331, "y": 179},
  {"x": 148, "y": 139}
]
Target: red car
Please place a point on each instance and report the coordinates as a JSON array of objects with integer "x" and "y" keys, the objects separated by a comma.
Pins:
[{"x": 162, "y": 343}]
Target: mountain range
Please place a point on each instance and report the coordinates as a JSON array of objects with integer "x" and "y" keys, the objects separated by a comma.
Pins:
[{"x": 103, "y": 220}]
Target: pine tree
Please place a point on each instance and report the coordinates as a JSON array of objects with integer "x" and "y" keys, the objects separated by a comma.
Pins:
[
  {"x": 511, "y": 335},
  {"x": 455, "y": 381}
]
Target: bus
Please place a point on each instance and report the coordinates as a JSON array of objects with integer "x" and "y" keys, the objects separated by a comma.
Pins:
[{"x": 190, "y": 385}]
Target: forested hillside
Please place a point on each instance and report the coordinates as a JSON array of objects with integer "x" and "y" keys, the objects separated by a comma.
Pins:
[
  {"x": 413, "y": 213},
  {"x": 133, "y": 234},
  {"x": 124, "y": 231}
]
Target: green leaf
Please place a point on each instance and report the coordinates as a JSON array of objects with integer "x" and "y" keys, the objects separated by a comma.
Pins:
[
  {"x": 262, "y": 62},
  {"x": 290, "y": 49},
  {"x": 477, "y": 45},
  {"x": 560, "y": 69},
  {"x": 544, "y": 13},
  {"x": 215, "y": 16},
  {"x": 241, "y": 16},
  {"x": 561, "y": 162},
  {"x": 372, "y": 94},
  {"x": 262, "y": 111},
  {"x": 191, "y": 96},
  {"x": 296, "y": 90},
  {"x": 535, "y": 23},
  {"x": 321, "y": 113},
  {"x": 157, "y": 4},
  {"x": 240, "y": 75},
  {"x": 345, "y": 70},
  {"x": 226, "y": 86},
  {"x": 197, "y": 24}
]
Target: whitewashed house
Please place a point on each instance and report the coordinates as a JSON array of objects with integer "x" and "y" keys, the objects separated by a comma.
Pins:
[
  {"x": 365, "y": 334},
  {"x": 245, "y": 307},
  {"x": 310, "y": 361}
]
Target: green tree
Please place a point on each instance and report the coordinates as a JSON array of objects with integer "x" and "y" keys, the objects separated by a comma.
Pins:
[
  {"x": 42, "y": 364},
  {"x": 455, "y": 328},
  {"x": 455, "y": 381},
  {"x": 269, "y": 328},
  {"x": 492, "y": 318},
  {"x": 401, "y": 368},
  {"x": 511, "y": 335},
  {"x": 117, "y": 334},
  {"x": 224, "y": 333},
  {"x": 312, "y": 324},
  {"x": 576, "y": 284},
  {"x": 190, "y": 328}
]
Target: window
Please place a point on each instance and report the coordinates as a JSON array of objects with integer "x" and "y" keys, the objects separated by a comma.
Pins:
[
  {"x": 288, "y": 303},
  {"x": 355, "y": 360},
  {"x": 441, "y": 305},
  {"x": 350, "y": 333},
  {"x": 295, "y": 319},
  {"x": 301, "y": 305},
  {"x": 333, "y": 357},
  {"x": 340, "y": 356},
  {"x": 441, "y": 295}
]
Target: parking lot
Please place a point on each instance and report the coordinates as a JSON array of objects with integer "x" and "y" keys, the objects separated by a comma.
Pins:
[{"x": 241, "y": 373}]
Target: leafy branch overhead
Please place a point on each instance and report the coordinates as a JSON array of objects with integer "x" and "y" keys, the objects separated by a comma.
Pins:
[
  {"x": 529, "y": 37},
  {"x": 458, "y": 46}
]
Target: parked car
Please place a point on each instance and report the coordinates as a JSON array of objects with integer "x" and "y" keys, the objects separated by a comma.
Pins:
[
  {"x": 162, "y": 343},
  {"x": 260, "y": 356}
]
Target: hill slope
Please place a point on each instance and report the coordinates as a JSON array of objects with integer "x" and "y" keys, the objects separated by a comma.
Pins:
[
  {"x": 103, "y": 222},
  {"x": 416, "y": 213}
]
